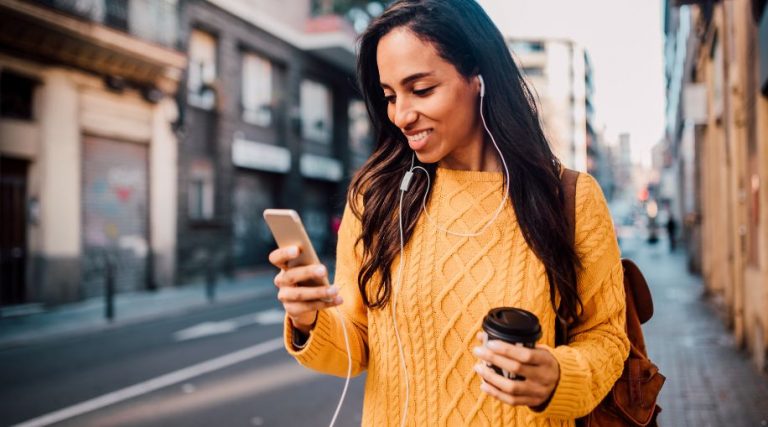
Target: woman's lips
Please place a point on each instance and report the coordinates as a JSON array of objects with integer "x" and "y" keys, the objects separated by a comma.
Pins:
[{"x": 419, "y": 140}]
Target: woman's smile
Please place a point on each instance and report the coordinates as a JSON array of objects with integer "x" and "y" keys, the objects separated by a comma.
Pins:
[{"x": 418, "y": 140}]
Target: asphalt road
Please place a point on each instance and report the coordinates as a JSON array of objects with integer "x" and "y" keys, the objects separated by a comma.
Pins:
[{"x": 226, "y": 369}]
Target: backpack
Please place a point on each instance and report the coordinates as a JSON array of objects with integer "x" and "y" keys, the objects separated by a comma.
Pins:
[{"x": 632, "y": 399}]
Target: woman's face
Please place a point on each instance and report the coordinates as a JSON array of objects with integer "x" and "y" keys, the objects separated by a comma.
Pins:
[{"x": 430, "y": 101}]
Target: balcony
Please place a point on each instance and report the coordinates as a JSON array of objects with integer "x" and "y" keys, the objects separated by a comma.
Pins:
[
  {"x": 151, "y": 20},
  {"x": 131, "y": 39}
]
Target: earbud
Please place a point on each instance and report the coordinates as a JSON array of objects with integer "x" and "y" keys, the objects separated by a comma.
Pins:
[
  {"x": 406, "y": 182},
  {"x": 482, "y": 84}
]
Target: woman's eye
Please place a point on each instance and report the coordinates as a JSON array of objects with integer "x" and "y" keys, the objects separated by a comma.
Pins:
[
  {"x": 423, "y": 92},
  {"x": 390, "y": 99}
]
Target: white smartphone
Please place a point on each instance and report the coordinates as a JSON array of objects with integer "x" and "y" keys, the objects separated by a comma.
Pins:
[{"x": 288, "y": 230}]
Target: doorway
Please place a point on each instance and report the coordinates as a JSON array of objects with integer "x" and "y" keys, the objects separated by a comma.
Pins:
[{"x": 13, "y": 230}]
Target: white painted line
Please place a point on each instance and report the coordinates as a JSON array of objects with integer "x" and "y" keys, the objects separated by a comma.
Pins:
[
  {"x": 268, "y": 317},
  {"x": 205, "y": 329},
  {"x": 275, "y": 316},
  {"x": 155, "y": 383}
]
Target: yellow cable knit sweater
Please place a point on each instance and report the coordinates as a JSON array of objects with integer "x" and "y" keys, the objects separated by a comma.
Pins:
[{"x": 449, "y": 284}]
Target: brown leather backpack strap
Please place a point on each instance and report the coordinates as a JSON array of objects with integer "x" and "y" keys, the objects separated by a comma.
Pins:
[{"x": 568, "y": 179}]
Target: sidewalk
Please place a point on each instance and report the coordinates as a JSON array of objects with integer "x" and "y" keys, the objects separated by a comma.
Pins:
[
  {"x": 709, "y": 381},
  {"x": 129, "y": 308}
]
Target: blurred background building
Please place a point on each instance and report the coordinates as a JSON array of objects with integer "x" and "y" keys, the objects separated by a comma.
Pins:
[
  {"x": 151, "y": 134},
  {"x": 561, "y": 76},
  {"x": 87, "y": 151},
  {"x": 270, "y": 118},
  {"x": 712, "y": 168}
]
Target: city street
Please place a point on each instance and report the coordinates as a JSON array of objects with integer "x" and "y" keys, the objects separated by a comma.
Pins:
[
  {"x": 142, "y": 142},
  {"x": 267, "y": 389},
  {"x": 222, "y": 365}
]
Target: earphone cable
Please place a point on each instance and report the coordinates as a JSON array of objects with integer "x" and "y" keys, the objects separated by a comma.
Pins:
[
  {"x": 394, "y": 311},
  {"x": 503, "y": 200},
  {"x": 349, "y": 368},
  {"x": 403, "y": 189}
]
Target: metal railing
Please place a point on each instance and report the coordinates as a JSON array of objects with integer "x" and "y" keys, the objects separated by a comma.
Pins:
[{"x": 152, "y": 20}]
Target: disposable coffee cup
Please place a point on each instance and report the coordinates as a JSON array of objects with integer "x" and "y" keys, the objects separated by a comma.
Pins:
[{"x": 514, "y": 326}]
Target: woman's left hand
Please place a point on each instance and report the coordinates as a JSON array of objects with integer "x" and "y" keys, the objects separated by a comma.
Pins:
[{"x": 537, "y": 365}]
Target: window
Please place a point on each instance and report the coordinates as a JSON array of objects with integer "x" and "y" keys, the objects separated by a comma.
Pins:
[
  {"x": 316, "y": 112},
  {"x": 521, "y": 47},
  {"x": 116, "y": 14},
  {"x": 200, "y": 190},
  {"x": 257, "y": 90},
  {"x": 16, "y": 93},
  {"x": 202, "y": 70},
  {"x": 359, "y": 128},
  {"x": 533, "y": 71}
]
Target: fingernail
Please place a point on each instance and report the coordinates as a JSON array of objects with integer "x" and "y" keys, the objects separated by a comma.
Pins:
[
  {"x": 478, "y": 368},
  {"x": 484, "y": 387},
  {"x": 293, "y": 251},
  {"x": 333, "y": 290},
  {"x": 338, "y": 300},
  {"x": 493, "y": 345},
  {"x": 320, "y": 271},
  {"x": 478, "y": 351}
]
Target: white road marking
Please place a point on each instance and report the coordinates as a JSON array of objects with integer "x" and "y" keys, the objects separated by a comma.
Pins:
[
  {"x": 270, "y": 317},
  {"x": 155, "y": 383},
  {"x": 205, "y": 329}
]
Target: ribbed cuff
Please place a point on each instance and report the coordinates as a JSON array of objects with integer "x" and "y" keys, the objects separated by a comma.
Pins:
[
  {"x": 299, "y": 340},
  {"x": 567, "y": 402},
  {"x": 318, "y": 338}
]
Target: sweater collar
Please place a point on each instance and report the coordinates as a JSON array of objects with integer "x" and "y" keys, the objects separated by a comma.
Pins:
[{"x": 464, "y": 176}]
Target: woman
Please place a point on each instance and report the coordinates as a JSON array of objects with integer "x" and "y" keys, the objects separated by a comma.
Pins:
[{"x": 413, "y": 316}]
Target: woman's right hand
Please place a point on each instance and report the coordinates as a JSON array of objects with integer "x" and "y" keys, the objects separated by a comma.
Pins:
[{"x": 302, "y": 290}]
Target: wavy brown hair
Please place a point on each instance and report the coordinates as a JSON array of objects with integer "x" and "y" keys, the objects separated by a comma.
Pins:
[{"x": 463, "y": 35}]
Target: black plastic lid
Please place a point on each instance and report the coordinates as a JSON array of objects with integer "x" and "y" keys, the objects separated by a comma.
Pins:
[{"x": 512, "y": 325}]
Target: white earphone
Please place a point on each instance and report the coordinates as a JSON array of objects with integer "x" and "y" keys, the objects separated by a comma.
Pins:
[
  {"x": 404, "y": 185},
  {"x": 406, "y": 182}
]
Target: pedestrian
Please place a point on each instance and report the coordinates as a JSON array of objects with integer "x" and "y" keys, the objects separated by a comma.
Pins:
[
  {"x": 458, "y": 210},
  {"x": 672, "y": 232}
]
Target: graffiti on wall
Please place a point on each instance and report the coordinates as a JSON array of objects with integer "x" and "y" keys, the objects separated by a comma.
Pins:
[{"x": 114, "y": 213}]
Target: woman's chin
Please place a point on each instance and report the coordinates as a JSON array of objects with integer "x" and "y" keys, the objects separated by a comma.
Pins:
[
  {"x": 425, "y": 160},
  {"x": 427, "y": 157}
]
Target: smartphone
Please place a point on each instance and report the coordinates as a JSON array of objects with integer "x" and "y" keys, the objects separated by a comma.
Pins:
[{"x": 288, "y": 230}]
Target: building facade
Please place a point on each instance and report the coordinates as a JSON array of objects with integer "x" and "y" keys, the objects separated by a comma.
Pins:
[
  {"x": 271, "y": 118},
  {"x": 560, "y": 75},
  {"x": 717, "y": 149},
  {"x": 87, "y": 148}
]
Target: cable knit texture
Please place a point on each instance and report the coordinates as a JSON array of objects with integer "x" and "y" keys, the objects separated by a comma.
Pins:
[{"x": 449, "y": 284}]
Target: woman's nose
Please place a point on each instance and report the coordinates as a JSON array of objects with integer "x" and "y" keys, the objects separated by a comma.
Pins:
[{"x": 404, "y": 115}]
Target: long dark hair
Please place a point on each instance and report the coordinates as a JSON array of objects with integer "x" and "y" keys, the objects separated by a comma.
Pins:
[{"x": 465, "y": 36}]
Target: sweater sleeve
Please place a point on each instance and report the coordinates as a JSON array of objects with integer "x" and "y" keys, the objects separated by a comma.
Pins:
[
  {"x": 597, "y": 346},
  {"x": 325, "y": 350}
]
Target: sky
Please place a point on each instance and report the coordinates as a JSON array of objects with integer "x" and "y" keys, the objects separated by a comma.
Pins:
[{"x": 624, "y": 39}]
